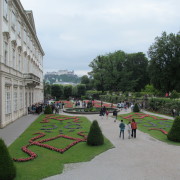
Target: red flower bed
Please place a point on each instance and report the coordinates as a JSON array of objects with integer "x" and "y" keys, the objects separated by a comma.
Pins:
[
  {"x": 163, "y": 131},
  {"x": 40, "y": 144},
  {"x": 33, "y": 141}
]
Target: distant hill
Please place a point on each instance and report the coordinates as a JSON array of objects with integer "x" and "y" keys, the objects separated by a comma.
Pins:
[{"x": 62, "y": 78}]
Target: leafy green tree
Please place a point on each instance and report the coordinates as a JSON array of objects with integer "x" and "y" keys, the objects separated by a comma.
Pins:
[
  {"x": 165, "y": 62},
  {"x": 7, "y": 168},
  {"x": 81, "y": 90},
  {"x": 95, "y": 136},
  {"x": 119, "y": 71},
  {"x": 67, "y": 91},
  {"x": 174, "y": 133},
  {"x": 47, "y": 90},
  {"x": 57, "y": 91},
  {"x": 98, "y": 72},
  {"x": 174, "y": 94}
]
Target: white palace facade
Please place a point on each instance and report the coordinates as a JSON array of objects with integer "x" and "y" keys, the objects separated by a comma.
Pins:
[{"x": 21, "y": 62}]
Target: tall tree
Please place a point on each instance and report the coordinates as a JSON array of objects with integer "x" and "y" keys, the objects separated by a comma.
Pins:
[
  {"x": 67, "y": 91},
  {"x": 165, "y": 62},
  {"x": 57, "y": 91},
  {"x": 98, "y": 72}
]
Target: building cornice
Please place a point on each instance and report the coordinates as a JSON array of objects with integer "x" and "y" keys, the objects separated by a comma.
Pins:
[{"x": 24, "y": 15}]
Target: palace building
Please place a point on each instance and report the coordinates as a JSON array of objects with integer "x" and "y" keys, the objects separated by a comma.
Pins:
[{"x": 21, "y": 62}]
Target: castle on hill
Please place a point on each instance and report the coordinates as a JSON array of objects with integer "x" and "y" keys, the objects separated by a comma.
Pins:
[{"x": 61, "y": 72}]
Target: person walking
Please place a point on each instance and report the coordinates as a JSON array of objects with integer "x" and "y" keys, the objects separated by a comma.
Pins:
[
  {"x": 122, "y": 128},
  {"x": 133, "y": 127},
  {"x": 107, "y": 113},
  {"x": 129, "y": 129},
  {"x": 115, "y": 114}
]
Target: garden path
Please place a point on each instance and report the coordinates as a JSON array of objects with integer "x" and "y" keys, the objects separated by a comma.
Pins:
[{"x": 143, "y": 158}]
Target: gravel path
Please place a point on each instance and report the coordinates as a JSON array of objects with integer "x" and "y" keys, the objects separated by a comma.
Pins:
[{"x": 143, "y": 158}]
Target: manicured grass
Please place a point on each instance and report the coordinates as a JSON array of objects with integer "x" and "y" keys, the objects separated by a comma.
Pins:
[
  {"x": 151, "y": 122},
  {"x": 48, "y": 162}
]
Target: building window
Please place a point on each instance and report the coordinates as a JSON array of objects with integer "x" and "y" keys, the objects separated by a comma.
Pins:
[
  {"x": 19, "y": 60},
  {"x": 13, "y": 58},
  {"x": 13, "y": 25},
  {"x": 5, "y": 9},
  {"x": 15, "y": 98},
  {"x": 5, "y": 52},
  {"x": 8, "y": 100},
  {"x": 19, "y": 29}
]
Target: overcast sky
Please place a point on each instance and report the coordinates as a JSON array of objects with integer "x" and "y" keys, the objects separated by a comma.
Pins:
[{"x": 74, "y": 32}]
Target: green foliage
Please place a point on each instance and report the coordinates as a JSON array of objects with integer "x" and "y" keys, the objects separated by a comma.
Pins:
[
  {"x": 163, "y": 105},
  {"x": 48, "y": 110},
  {"x": 174, "y": 133},
  {"x": 120, "y": 71},
  {"x": 95, "y": 136},
  {"x": 57, "y": 91},
  {"x": 174, "y": 94},
  {"x": 7, "y": 168},
  {"x": 81, "y": 90},
  {"x": 67, "y": 91},
  {"x": 165, "y": 62},
  {"x": 136, "y": 108}
]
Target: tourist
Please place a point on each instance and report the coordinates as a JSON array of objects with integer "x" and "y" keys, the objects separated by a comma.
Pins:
[
  {"x": 122, "y": 128},
  {"x": 133, "y": 127},
  {"x": 115, "y": 114},
  {"x": 129, "y": 129},
  {"x": 101, "y": 113},
  {"x": 107, "y": 113}
]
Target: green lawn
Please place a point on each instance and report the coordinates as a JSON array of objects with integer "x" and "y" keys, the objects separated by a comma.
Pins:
[
  {"x": 144, "y": 124},
  {"x": 48, "y": 162}
]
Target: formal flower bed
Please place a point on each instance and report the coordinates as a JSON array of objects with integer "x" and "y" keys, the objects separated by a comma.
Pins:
[
  {"x": 150, "y": 122},
  {"x": 41, "y": 143}
]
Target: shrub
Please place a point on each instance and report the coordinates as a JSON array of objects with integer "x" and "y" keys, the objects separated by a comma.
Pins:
[
  {"x": 136, "y": 108},
  {"x": 48, "y": 110},
  {"x": 174, "y": 133},
  {"x": 7, "y": 168},
  {"x": 95, "y": 136}
]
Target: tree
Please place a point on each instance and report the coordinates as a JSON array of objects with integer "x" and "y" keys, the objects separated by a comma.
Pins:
[
  {"x": 81, "y": 90},
  {"x": 48, "y": 110},
  {"x": 174, "y": 94},
  {"x": 7, "y": 168},
  {"x": 57, "y": 91},
  {"x": 67, "y": 91},
  {"x": 165, "y": 62},
  {"x": 174, "y": 133},
  {"x": 120, "y": 71},
  {"x": 136, "y": 108},
  {"x": 95, "y": 136}
]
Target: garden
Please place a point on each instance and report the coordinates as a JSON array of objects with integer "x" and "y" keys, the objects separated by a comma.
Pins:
[
  {"x": 155, "y": 126},
  {"x": 50, "y": 142}
]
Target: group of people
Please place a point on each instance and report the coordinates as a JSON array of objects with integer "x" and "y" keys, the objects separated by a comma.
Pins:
[
  {"x": 131, "y": 127},
  {"x": 103, "y": 112}
]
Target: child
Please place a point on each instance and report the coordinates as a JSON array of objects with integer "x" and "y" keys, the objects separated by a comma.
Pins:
[
  {"x": 122, "y": 128},
  {"x": 129, "y": 129},
  {"x": 107, "y": 113}
]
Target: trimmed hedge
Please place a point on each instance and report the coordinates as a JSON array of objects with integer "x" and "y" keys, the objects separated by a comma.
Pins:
[
  {"x": 48, "y": 110},
  {"x": 136, "y": 108},
  {"x": 174, "y": 133},
  {"x": 7, "y": 168},
  {"x": 95, "y": 136}
]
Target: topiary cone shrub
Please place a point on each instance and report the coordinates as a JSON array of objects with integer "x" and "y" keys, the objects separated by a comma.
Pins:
[
  {"x": 95, "y": 136},
  {"x": 48, "y": 110},
  {"x": 174, "y": 133},
  {"x": 136, "y": 108},
  {"x": 7, "y": 168}
]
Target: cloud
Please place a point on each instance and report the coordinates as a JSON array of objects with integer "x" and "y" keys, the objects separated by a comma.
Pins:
[{"x": 73, "y": 33}]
